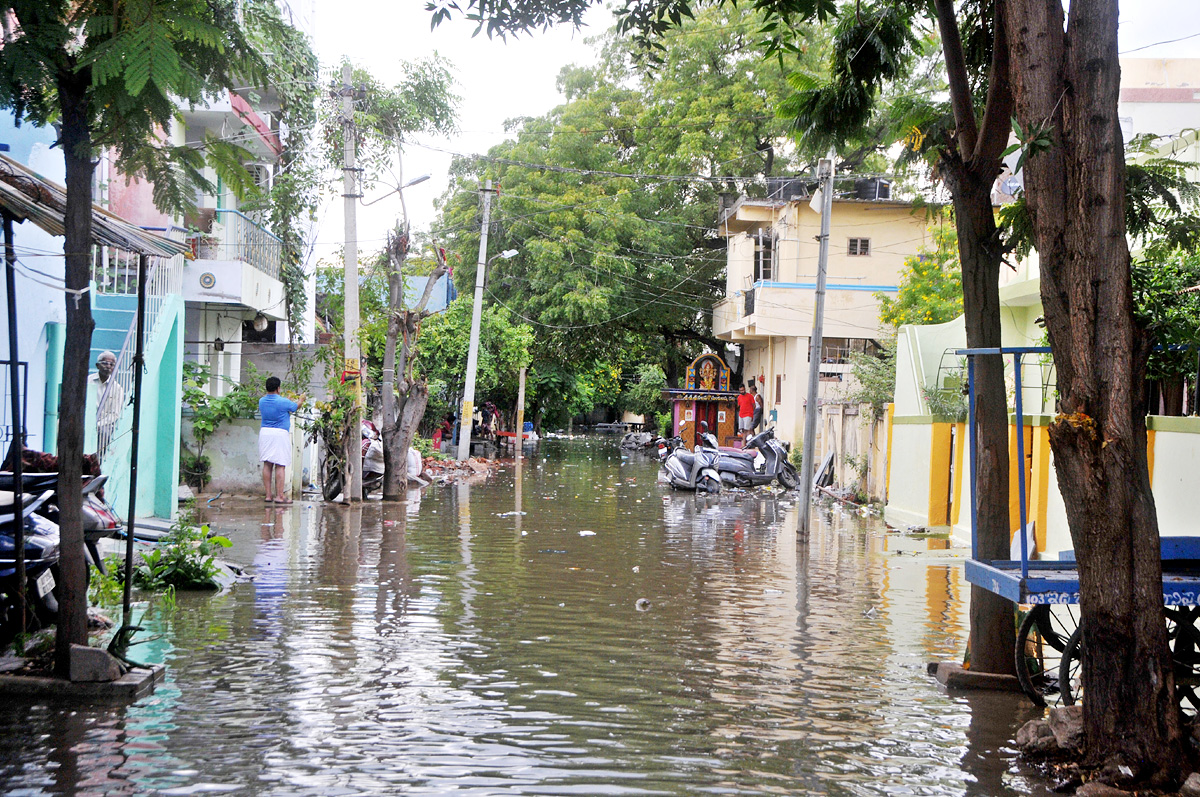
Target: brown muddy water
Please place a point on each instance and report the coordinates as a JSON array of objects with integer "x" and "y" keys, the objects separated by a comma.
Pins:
[{"x": 568, "y": 628}]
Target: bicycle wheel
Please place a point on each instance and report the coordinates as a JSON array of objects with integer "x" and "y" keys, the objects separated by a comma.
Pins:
[
  {"x": 1041, "y": 640},
  {"x": 1070, "y": 671},
  {"x": 1184, "y": 639}
]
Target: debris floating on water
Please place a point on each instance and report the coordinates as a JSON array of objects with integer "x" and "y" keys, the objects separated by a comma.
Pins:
[{"x": 642, "y": 605}]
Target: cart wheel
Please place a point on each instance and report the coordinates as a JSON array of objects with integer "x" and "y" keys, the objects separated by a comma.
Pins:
[
  {"x": 1184, "y": 639},
  {"x": 1041, "y": 640},
  {"x": 1070, "y": 671}
]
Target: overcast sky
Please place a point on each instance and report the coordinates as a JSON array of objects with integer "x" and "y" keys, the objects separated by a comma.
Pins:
[{"x": 502, "y": 80}]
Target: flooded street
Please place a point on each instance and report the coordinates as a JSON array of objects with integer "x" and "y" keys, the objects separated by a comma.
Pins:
[{"x": 569, "y": 628}]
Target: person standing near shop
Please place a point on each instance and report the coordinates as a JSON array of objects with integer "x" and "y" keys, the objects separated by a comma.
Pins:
[
  {"x": 275, "y": 441},
  {"x": 756, "y": 424},
  {"x": 745, "y": 405}
]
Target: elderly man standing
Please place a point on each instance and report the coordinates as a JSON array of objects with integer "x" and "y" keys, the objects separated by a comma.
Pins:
[{"x": 109, "y": 398}]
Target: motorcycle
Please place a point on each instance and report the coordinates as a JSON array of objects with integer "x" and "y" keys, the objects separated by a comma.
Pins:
[
  {"x": 740, "y": 468},
  {"x": 372, "y": 465},
  {"x": 41, "y": 556},
  {"x": 691, "y": 470}
]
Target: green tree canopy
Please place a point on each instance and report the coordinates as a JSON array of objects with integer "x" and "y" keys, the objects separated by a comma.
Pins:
[{"x": 611, "y": 198}]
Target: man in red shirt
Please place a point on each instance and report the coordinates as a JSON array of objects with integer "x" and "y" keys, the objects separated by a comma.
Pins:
[{"x": 745, "y": 403}]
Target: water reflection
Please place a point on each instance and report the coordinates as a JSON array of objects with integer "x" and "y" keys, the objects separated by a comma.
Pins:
[{"x": 567, "y": 626}]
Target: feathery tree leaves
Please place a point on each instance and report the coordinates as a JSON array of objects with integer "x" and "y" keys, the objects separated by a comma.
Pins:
[{"x": 111, "y": 73}]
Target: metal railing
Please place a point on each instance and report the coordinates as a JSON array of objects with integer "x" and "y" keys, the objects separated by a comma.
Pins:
[
  {"x": 242, "y": 239},
  {"x": 164, "y": 277}
]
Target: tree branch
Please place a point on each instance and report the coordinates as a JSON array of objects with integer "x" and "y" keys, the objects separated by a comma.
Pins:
[
  {"x": 956, "y": 71},
  {"x": 997, "y": 113}
]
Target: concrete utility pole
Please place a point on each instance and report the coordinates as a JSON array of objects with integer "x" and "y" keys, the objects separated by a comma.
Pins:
[
  {"x": 468, "y": 405},
  {"x": 825, "y": 175},
  {"x": 352, "y": 368},
  {"x": 520, "y": 414}
]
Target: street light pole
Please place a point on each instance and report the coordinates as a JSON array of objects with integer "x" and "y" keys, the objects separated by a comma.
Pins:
[
  {"x": 825, "y": 174},
  {"x": 351, "y": 368},
  {"x": 468, "y": 405}
]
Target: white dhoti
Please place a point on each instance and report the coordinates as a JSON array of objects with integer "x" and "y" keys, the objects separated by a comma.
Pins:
[{"x": 275, "y": 446}]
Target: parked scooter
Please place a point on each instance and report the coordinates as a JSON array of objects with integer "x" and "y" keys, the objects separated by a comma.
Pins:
[
  {"x": 41, "y": 555},
  {"x": 739, "y": 468},
  {"x": 100, "y": 520},
  {"x": 372, "y": 465},
  {"x": 692, "y": 470}
]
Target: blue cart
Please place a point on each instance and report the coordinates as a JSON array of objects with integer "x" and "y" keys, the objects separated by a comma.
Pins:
[{"x": 1048, "y": 640}]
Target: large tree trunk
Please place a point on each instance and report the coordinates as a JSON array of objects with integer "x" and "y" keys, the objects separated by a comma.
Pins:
[
  {"x": 969, "y": 165},
  {"x": 992, "y": 624},
  {"x": 77, "y": 154},
  {"x": 1075, "y": 192}
]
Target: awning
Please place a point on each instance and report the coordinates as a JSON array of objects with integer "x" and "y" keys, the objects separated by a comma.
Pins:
[{"x": 29, "y": 196}]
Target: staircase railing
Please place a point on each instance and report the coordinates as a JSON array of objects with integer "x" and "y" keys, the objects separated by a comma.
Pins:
[{"x": 115, "y": 273}]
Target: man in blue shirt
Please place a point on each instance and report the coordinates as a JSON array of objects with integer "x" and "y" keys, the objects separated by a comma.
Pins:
[{"x": 275, "y": 440}]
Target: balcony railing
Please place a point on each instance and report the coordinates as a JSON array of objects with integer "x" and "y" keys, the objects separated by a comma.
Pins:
[{"x": 242, "y": 239}]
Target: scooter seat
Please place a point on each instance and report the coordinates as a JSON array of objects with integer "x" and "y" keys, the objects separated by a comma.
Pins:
[
  {"x": 685, "y": 457},
  {"x": 30, "y": 482}
]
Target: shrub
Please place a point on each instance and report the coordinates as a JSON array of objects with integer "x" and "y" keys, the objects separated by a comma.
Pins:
[{"x": 184, "y": 559}]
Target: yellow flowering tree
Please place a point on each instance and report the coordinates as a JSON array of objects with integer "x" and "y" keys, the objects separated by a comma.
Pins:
[{"x": 930, "y": 285}]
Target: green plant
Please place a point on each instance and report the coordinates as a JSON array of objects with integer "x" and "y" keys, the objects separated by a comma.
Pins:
[
  {"x": 209, "y": 412},
  {"x": 858, "y": 465},
  {"x": 664, "y": 420},
  {"x": 106, "y": 590},
  {"x": 947, "y": 400},
  {"x": 796, "y": 457},
  {"x": 185, "y": 558}
]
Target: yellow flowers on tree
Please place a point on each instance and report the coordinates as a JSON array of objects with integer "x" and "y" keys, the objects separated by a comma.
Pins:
[{"x": 930, "y": 290}]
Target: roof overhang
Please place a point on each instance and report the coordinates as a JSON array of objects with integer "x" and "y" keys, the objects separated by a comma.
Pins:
[{"x": 26, "y": 195}]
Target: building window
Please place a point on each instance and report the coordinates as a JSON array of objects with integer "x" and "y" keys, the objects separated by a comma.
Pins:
[
  {"x": 858, "y": 247},
  {"x": 764, "y": 256}
]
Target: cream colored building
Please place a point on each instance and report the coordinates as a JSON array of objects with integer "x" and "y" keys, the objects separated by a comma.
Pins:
[
  {"x": 929, "y": 464},
  {"x": 770, "y": 291}
]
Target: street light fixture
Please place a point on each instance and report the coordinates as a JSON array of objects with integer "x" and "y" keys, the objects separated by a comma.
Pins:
[
  {"x": 468, "y": 406},
  {"x": 397, "y": 190}
]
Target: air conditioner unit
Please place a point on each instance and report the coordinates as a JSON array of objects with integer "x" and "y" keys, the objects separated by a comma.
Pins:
[{"x": 261, "y": 174}]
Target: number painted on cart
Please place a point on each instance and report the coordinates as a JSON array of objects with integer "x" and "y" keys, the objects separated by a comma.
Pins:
[{"x": 1053, "y": 598}]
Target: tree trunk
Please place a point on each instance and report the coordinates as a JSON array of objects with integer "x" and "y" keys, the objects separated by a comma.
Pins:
[
  {"x": 399, "y": 422},
  {"x": 969, "y": 164},
  {"x": 992, "y": 626},
  {"x": 77, "y": 154},
  {"x": 1075, "y": 193},
  {"x": 393, "y": 457}
]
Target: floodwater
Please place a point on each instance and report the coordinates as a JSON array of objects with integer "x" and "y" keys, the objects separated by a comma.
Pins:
[{"x": 570, "y": 627}]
